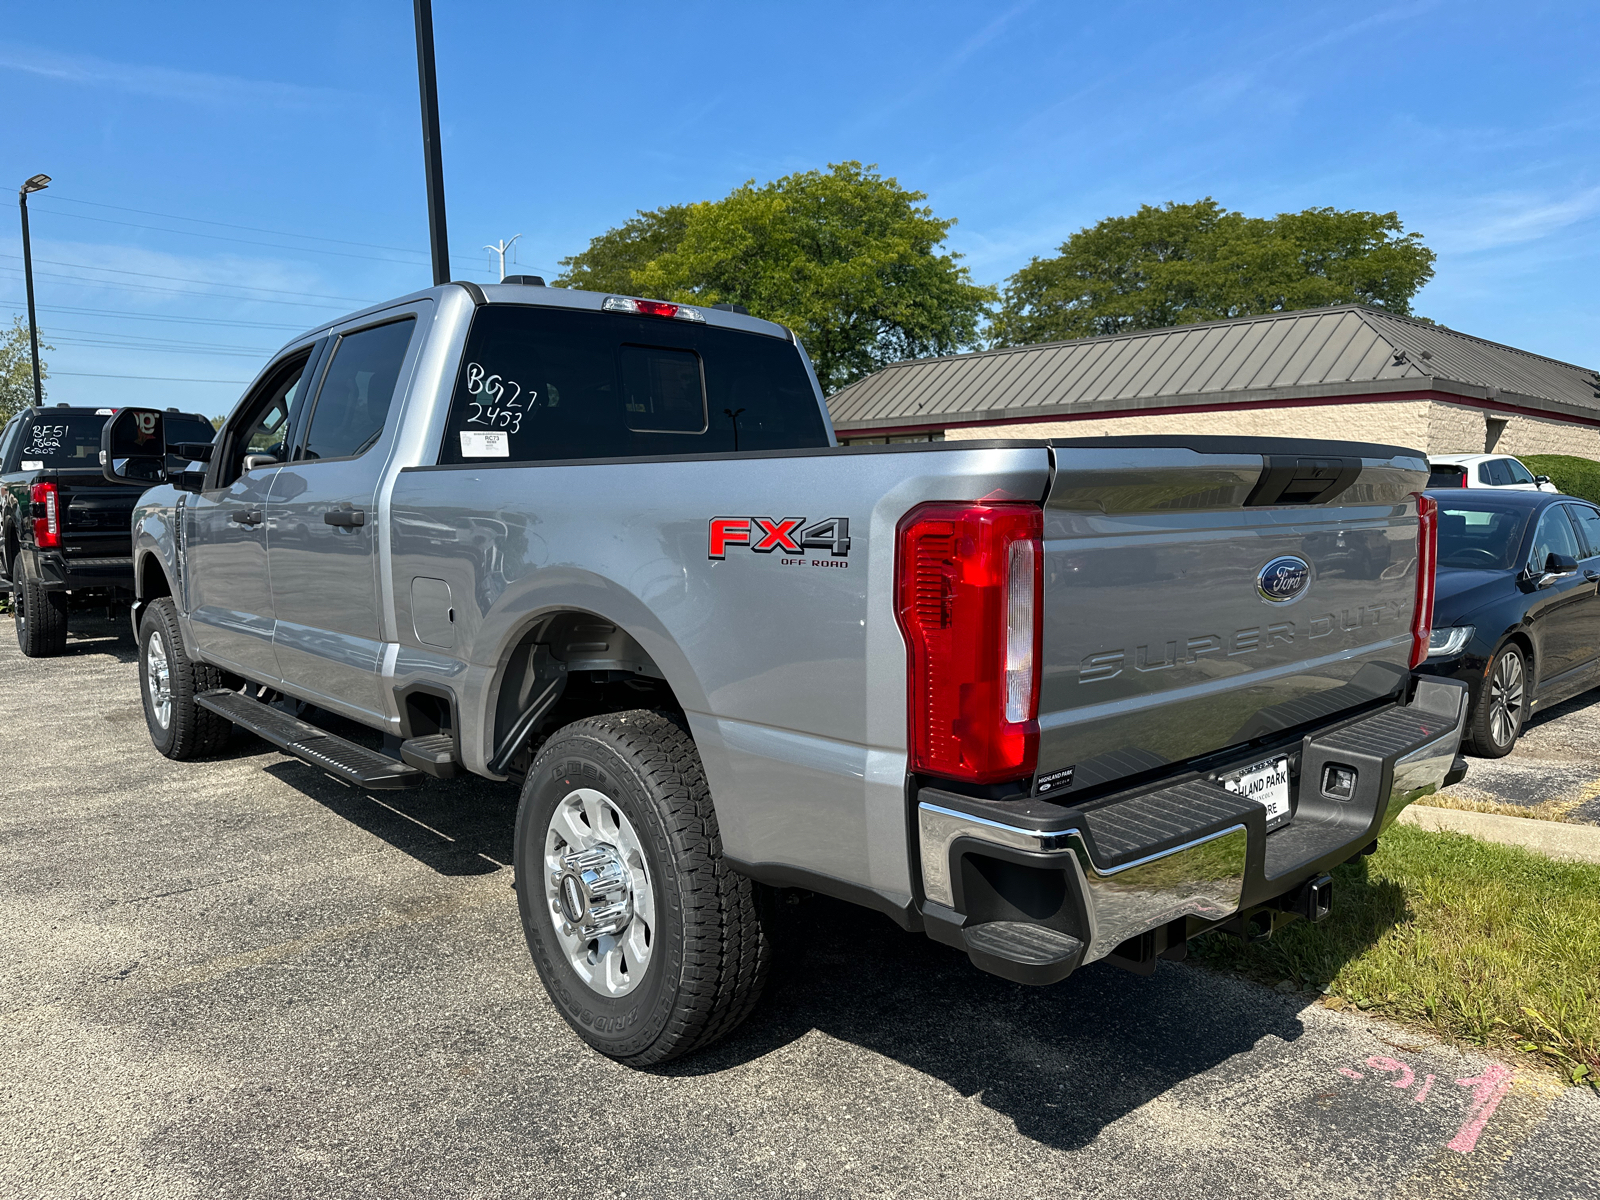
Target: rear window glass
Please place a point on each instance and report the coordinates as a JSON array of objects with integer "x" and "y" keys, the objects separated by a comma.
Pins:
[
  {"x": 188, "y": 429},
  {"x": 60, "y": 440},
  {"x": 1480, "y": 539},
  {"x": 540, "y": 384},
  {"x": 1447, "y": 476}
]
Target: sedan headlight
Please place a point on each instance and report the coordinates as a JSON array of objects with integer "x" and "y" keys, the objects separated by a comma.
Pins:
[{"x": 1451, "y": 640}]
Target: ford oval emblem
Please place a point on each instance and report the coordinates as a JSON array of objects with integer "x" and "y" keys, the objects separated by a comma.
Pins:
[{"x": 1283, "y": 579}]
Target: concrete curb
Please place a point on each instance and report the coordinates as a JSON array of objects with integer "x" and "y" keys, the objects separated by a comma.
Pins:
[{"x": 1574, "y": 843}]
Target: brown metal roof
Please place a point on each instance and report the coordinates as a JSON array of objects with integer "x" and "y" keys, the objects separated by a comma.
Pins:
[{"x": 1349, "y": 350}]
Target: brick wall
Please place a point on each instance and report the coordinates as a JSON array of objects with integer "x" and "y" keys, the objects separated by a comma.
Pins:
[{"x": 1429, "y": 425}]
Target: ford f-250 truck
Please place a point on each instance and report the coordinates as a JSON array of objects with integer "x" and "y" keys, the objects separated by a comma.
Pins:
[{"x": 1052, "y": 703}]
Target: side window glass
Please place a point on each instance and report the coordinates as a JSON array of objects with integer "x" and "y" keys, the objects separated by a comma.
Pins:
[
  {"x": 1483, "y": 475},
  {"x": 357, "y": 390},
  {"x": 7, "y": 441},
  {"x": 1519, "y": 473},
  {"x": 263, "y": 427},
  {"x": 1588, "y": 522},
  {"x": 1499, "y": 473},
  {"x": 1554, "y": 536}
]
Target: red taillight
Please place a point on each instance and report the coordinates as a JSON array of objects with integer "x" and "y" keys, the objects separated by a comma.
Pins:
[
  {"x": 969, "y": 581},
  {"x": 46, "y": 516},
  {"x": 1427, "y": 567}
]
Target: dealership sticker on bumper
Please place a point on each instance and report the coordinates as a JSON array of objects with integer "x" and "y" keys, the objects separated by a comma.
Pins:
[{"x": 1267, "y": 783}]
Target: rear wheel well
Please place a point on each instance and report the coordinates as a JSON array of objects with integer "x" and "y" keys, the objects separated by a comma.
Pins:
[{"x": 594, "y": 667}]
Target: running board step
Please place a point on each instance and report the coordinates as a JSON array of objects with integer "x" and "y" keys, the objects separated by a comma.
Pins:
[
  {"x": 345, "y": 761},
  {"x": 432, "y": 754}
]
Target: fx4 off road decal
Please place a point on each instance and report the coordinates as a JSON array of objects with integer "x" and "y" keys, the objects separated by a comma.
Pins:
[{"x": 788, "y": 535}]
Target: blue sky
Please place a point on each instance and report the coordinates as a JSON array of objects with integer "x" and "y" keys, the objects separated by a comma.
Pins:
[{"x": 228, "y": 174}]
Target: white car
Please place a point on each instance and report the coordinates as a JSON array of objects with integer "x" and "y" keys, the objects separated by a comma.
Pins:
[{"x": 1485, "y": 471}]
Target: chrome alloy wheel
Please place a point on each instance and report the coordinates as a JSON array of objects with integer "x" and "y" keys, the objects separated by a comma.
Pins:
[
  {"x": 1506, "y": 689},
  {"x": 158, "y": 679},
  {"x": 597, "y": 889}
]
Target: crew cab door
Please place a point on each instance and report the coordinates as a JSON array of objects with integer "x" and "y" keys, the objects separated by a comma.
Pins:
[
  {"x": 322, "y": 549},
  {"x": 227, "y": 593}
]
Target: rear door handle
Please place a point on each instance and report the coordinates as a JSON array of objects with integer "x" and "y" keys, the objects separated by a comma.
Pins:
[
  {"x": 345, "y": 518},
  {"x": 249, "y": 516}
]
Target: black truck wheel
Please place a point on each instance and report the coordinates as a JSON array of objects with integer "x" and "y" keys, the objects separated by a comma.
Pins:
[
  {"x": 648, "y": 944},
  {"x": 40, "y": 614},
  {"x": 1502, "y": 704},
  {"x": 169, "y": 680}
]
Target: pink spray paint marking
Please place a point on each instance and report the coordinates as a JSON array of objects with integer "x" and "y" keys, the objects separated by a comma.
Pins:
[
  {"x": 1349, "y": 1074},
  {"x": 1379, "y": 1063},
  {"x": 1427, "y": 1086},
  {"x": 1488, "y": 1090}
]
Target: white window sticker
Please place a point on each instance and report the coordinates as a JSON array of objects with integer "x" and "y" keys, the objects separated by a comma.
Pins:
[
  {"x": 477, "y": 443},
  {"x": 32, "y": 464}
]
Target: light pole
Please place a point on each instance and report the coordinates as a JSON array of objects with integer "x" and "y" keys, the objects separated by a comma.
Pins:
[
  {"x": 433, "y": 159},
  {"x": 36, "y": 184}
]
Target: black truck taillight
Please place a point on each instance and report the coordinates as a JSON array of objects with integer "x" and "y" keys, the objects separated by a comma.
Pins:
[
  {"x": 968, "y": 588},
  {"x": 1427, "y": 569},
  {"x": 46, "y": 516}
]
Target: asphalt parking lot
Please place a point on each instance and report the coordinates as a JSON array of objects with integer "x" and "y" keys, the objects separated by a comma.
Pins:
[
  {"x": 1557, "y": 756},
  {"x": 238, "y": 978}
]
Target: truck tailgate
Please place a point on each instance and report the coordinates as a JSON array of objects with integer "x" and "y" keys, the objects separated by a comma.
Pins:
[{"x": 1198, "y": 599}]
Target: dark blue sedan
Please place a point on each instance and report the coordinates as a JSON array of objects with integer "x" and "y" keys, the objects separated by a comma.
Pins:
[{"x": 1517, "y": 610}]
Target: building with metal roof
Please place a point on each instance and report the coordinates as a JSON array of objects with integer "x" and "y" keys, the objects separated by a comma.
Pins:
[{"x": 1344, "y": 372}]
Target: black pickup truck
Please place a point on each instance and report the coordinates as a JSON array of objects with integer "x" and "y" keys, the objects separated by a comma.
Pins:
[{"x": 65, "y": 532}]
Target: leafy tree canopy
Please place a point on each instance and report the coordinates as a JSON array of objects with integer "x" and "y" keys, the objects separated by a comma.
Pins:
[
  {"x": 845, "y": 257},
  {"x": 1182, "y": 263},
  {"x": 16, "y": 370}
]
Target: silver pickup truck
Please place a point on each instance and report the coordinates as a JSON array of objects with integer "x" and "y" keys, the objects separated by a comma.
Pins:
[{"x": 1051, "y": 703}]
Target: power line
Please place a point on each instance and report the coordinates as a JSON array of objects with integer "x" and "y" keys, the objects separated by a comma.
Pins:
[
  {"x": 186, "y": 350},
  {"x": 143, "y": 212},
  {"x": 111, "y": 312},
  {"x": 151, "y": 378},
  {"x": 56, "y": 262},
  {"x": 128, "y": 337},
  {"x": 221, "y": 237},
  {"x": 80, "y": 281}
]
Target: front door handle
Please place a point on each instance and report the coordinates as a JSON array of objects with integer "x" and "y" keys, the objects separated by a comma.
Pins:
[
  {"x": 1591, "y": 576},
  {"x": 248, "y": 516},
  {"x": 345, "y": 518}
]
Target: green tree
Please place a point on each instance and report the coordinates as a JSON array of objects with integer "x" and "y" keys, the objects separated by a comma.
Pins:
[
  {"x": 613, "y": 260},
  {"x": 1182, "y": 263},
  {"x": 847, "y": 258},
  {"x": 16, "y": 370}
]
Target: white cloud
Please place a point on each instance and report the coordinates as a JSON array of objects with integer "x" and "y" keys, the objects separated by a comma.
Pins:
[
  {"x": 1507, "y": 219},
  {"x": 195, "y": 87}
]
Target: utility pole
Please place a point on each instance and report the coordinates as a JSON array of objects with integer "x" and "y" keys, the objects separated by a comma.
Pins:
[
  {"x": 35, "y": 184},
  {"x": 500, "y": 248},
  {"x": 433, "y": 160}
]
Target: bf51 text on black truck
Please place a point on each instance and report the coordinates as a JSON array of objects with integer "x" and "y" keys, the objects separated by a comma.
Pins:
[{"x": 1052, "y": 703}]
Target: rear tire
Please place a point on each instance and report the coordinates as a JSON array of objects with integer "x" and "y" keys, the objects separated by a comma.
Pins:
[
  {"x": 169, "y": 680},
  {"x": 40, "y": 614},
  {"x": 616, "y": 818},
  {"x": 1502, "y": 708}
]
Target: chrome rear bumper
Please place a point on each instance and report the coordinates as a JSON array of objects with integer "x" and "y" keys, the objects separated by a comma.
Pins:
[{"x": 1205, "y": 852}]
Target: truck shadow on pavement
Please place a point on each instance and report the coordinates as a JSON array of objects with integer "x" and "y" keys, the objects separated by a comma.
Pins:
[
  {"x": 454, "y": 827},
  {"x": 1061, "y": 1062}
]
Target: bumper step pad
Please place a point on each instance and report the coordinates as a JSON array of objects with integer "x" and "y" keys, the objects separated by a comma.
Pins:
[
  {"x": 344, "y": 760},
  {"x": 1022, "y": 952}
]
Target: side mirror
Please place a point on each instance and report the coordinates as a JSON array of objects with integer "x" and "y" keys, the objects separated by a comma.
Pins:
[
  {"x": 133, "y": 448},
  {"x": 1560, "y": 564},
  {"x": 1541, "y": 479}
]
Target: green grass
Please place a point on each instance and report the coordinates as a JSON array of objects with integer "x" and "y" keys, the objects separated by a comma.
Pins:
[
  {"x": 1490, "y": 944},
  {"x": 1574, "y": 476}
]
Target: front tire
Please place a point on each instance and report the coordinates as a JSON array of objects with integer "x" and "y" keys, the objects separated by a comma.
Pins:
[
  {"x": 648, "y": 944},
  {"x": 1502, "y": 704},
  {"x": 40, "y": 614},
  {"x": 169, "y": 680}
]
